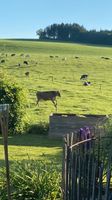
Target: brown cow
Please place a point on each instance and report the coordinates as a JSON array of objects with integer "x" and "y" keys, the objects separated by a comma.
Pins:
[
  {"x": 27, "y": 74},
  {"x": 3, "y": 61},
  {"x": 84, "y": 76},
  {"x": 25, "y": 62},
  {"x": 48, "y": 95},
  {"x": 13, "y": 54}
]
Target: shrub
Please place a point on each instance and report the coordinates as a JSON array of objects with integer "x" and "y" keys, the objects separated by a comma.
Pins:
[
  {"x": 13, "y": 94},
  {"x": 33, "y": 180},
  {"x": 40, "y": 128}
]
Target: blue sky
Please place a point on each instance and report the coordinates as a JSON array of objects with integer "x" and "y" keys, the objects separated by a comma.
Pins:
[{"x": 21, "y": 18}]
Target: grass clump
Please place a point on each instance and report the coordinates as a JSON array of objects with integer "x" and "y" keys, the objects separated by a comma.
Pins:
[{"x": 35, "y": 180}]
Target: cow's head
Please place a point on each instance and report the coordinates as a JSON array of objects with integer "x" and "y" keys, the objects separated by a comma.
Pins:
[{"x": 58, "y": 93}]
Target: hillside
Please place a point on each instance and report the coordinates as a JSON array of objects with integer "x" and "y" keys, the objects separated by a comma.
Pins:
[{"x": 58, "y": 66}]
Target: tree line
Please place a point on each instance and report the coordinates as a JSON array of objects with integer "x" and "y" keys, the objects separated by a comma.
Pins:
[{"x": 75, "y": 33}]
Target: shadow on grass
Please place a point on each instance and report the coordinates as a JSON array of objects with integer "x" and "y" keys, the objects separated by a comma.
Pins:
[
  {"x": 33, "y": 140},
  {"x": 2, "y": 163},
  {"x": 55, "y": 159}
]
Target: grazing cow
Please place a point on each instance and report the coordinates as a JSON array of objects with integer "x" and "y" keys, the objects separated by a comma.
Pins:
[
  {"x": 22, "y": 54},
  {"x": 76, "y": 57},
  {"x": 106, "y": 58},
  {"x": 3, "y": 61},
  {"x": 48, "y": 95},
  {"x": 87, "y": 83},
  {"x": 27, "y": 56},
  {"x": 64, "y": 58},
  {"x": 51, "y": 56},
  {"x": 19, "y": 65},
  {"x": 25, "y": 62},
  {"x": 27, "y": 74},
  {"x": 13, "y": 54},
  {"x": 84, "y": 76}
]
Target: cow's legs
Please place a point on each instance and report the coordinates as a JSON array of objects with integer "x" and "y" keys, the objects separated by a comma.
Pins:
[
  {"x": 55, "y": 104},
  {"x": 38, "y": 103}
]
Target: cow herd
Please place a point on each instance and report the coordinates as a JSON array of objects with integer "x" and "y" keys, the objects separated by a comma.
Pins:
[
  {"x": 25, "y": 62},
  {"x": 47, "y": 95},
  {"x": 52, "y": 95}
]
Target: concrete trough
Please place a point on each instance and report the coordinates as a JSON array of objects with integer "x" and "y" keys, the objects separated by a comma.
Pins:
[{"x": 61, "y": 124}]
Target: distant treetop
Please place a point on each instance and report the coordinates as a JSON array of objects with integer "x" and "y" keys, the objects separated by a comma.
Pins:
[{"x": 75, "y": 33}]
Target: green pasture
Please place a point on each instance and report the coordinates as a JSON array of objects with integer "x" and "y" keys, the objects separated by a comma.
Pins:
[
  {"x": 62, "y": 72},
  {"x": 36, "y": 147},
  {"x": 54, "y": 66}
]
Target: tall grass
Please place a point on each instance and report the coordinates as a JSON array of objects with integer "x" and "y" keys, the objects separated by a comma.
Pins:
[{"x": 32, "y": 180}]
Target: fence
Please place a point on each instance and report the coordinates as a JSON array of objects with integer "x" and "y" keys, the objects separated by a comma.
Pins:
[{"x": 87, "y": 168}]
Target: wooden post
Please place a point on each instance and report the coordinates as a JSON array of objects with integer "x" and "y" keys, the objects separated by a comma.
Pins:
[
  {"x": 64, "y": 169},
  {"x": 4, "y": 110}
]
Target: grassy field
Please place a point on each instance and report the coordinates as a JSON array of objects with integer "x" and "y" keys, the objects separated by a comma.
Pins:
[
  {"x": 62, "y": 72},
  {"x": 54, "y": 66},
  {"x": 26, "y": 147}
]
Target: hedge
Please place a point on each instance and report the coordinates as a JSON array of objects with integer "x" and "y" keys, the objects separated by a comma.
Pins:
[{"x": 12, "y": 93}]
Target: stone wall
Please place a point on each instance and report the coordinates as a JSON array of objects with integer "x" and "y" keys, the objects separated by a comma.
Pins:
[{"x": 60, "y": 124}]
